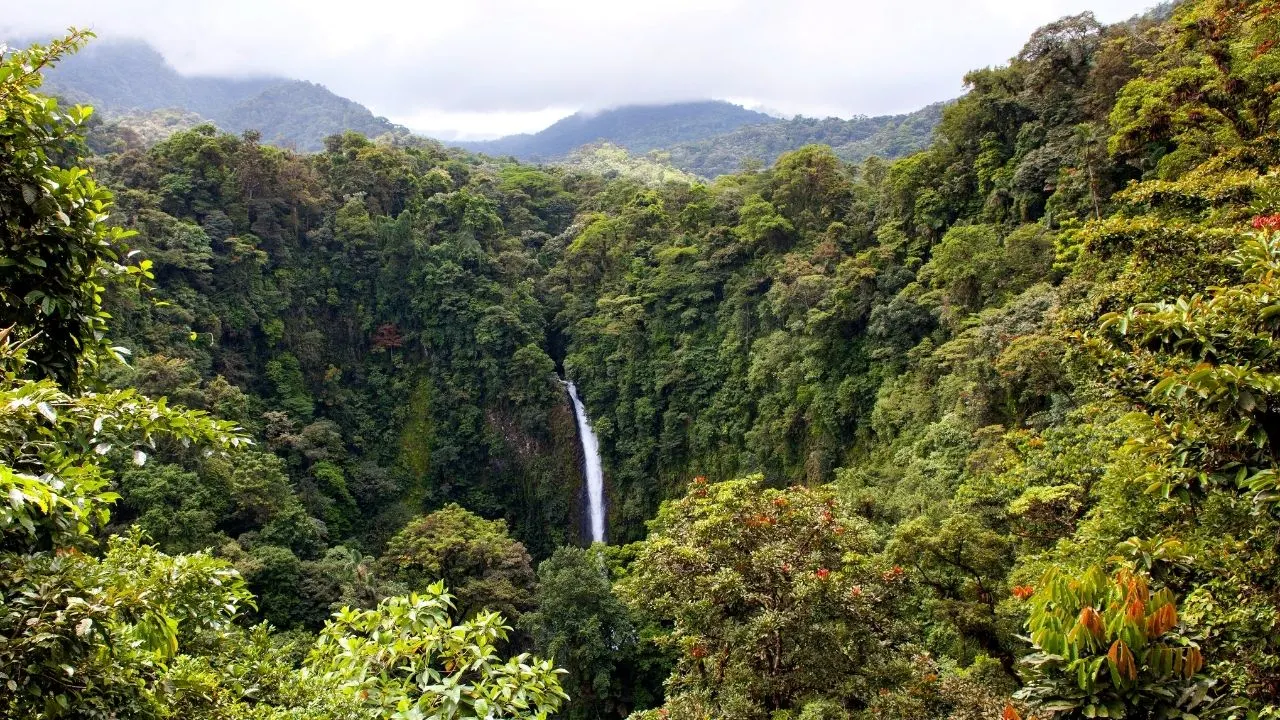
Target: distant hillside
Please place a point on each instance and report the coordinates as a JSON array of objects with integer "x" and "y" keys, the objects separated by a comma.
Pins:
[
  {"x": 610, "y": 161},
  {"x": 714, "y": 138},
  {"x": 126, "y": 75},
  {"x": 638, "y": 128},
  {"x": 300, "y": 114},
  {"x": 855, "y": 140},
  {"x": 138, "y": 129},
  {"x": 125, "y": 80}
]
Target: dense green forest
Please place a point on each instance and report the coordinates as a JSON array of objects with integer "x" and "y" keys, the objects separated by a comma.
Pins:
[
  {"x": 854, "y": 140},
  {"x": 988, "y": 431}
]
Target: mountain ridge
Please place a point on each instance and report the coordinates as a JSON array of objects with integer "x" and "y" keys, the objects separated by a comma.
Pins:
[
  {"x": 709, "y": 149},
  {"x": 128, "y": 81},
  {"x": 629, "y": 126},
  {"x": 122, "y": 77}
]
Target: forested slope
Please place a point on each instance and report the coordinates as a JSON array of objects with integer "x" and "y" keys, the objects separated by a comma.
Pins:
[
  {"x": 638, "y": 128},
  {"x": 886, "y": 136},
  {"x": 987, "y": 431},
  {"x": 126, "y": 80},
  {"x": 713, "y": 138}
]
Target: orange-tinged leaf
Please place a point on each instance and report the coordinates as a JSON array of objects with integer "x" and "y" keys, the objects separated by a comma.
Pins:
[
  {"x": 1092, "y": 621},
  {"x": 1136, "y": 611},
  {"x": 1122, "y": 660},
  {"x": 1162, "y": 620},
  {"x": 1192, "y": 662},
  {"x": 1009, "y": 713}
]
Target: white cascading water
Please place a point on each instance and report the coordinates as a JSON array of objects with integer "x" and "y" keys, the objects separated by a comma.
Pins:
[{"x": 591, "y": 455}]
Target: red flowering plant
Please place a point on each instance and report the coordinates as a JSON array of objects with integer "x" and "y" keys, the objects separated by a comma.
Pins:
[{"x": 1267, "y": 223}]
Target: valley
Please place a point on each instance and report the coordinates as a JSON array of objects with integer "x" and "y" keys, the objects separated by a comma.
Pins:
[{"x": 666, "y": 412}]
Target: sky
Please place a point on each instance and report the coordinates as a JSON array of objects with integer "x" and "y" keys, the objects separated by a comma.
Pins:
[{"x": 474, "y": 69}]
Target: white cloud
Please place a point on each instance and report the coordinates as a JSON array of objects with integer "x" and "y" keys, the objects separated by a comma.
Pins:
[
  {"x": 446, "y": 125},
  {"x": 487, "y": 67}
]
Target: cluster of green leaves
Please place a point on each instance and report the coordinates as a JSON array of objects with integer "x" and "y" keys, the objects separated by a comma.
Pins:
[
  {"x": 405, "y": 659},
  {"x": 54, "y": 220},
  {"x": 1106, "y": 644}
]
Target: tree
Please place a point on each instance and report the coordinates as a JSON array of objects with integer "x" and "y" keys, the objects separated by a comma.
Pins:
[
  {"x": 584, "y": 628},
  {"x": 968, "y": 266},
  {"x": 769, "y": 595},
  {"x": 56, "y": 243},
  {"x": 405, "y": 659},
  {"x": 476, "y": 556}
]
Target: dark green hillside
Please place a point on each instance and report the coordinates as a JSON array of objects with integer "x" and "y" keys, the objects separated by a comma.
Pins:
[
  {"x": 638, "y": 128},
  {"x": 889, "y": 137},
  {"x": 299, "y": 115},
  {"x": 125, "y": 79}
]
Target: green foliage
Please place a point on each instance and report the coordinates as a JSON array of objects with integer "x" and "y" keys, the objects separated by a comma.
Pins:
[
  {"x": 584, "y": 628},
  {"x": 489, "y": 569},
  {"x": 54, "y": 219},
  {"x": 97, "y": 637},
  {"x": 405, "y": 659},
  {"x": 770, "y": 596},
  {"x": 1106, "y": 645},
  {"x": 89, "y": 634},
  {"x": 1219, "y": 365},
  {"x": 1213, "y": 83}
]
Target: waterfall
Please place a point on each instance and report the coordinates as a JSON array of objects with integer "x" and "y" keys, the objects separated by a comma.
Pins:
[{"x": 591, "y": 465}]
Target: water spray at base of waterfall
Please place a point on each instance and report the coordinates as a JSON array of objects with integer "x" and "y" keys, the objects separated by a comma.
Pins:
[{"x": 591, "y": 465}]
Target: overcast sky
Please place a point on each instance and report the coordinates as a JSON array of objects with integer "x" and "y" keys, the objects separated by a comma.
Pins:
[{"x": 481, "y": 68}]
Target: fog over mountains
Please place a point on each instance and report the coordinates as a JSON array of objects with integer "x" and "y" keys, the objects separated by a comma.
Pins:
[{"x": 130, "y": 82}]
